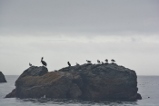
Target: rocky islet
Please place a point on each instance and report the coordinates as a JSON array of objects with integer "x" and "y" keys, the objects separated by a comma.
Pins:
[{"x": 85, "y": 82}]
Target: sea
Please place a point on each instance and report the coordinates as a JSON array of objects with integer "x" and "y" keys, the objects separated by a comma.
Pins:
[{"x": 148, "y": 87}]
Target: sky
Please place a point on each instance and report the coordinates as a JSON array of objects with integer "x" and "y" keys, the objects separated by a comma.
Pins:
[{"x": 79, "y": 30}]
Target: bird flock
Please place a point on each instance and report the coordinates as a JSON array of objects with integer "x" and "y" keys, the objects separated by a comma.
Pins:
[
  {"x": 42, "y": 61},
  {"x": 69, "y": 64},
  {"x": 89, "y": 62}
]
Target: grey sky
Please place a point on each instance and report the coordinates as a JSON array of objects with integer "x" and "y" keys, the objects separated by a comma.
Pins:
[{"x": 76, "y": 30}]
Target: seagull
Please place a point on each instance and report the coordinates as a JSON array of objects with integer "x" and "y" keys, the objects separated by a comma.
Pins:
[
  {"x": 30, "y": 64},
  {"x": 98, "y": 61},
  {"x": 113, "y": 61},
  {"x": 106, "y": 60},
  {"x": 88, "y": 61}
]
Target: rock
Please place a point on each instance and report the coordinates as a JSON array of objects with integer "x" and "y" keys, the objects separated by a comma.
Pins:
[
  {"x": 139, "y": 96},
  {"x": 86, "y": 82},
  {"x": 2, "y": 77},
  {"x": 12, "y": 94},
  {"x": 34, "y": 71}
]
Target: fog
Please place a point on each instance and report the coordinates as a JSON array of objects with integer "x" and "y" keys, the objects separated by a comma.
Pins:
[{"x": 76, "y": 31}]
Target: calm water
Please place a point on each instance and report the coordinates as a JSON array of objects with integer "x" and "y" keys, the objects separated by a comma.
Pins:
[{"x": 148, "y": 87}]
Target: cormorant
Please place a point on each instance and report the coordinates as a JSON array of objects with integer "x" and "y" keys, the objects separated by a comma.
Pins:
[
  {"x": 43, "y": 62},
  {"x": 30, "y": 64},
  {"x": 69, "y": 64},
  {"x": 98, "y": 61}
]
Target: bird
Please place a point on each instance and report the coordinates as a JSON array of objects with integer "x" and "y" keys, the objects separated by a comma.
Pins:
[
  {"x": 30, "y": 64},
  {"x": 69, "y": 64},
  {"x": 77, "y": 64},
  {"x": 43, "y": 62},
  {"x": 98, "y": 61},
  {"x": 113, "y": 61},
  {"x": 106, "y": 60},
  {"x": 88, "y": 61}
]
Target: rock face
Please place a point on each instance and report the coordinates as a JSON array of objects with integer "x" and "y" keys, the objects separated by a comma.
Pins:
[
  {"x": 2, "y": 77},
  {"x": 86, "y": 82}
]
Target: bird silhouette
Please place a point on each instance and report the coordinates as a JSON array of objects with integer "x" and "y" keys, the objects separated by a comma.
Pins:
[
  {"x": 30, "y": 64},
  {"x": 69, "y": 64},
  {"x": 106, "y": 60},
  {"x": 98, "y": 61},
  {"x": 77, "y": 64},
  {"x": 88, "y": 61},
  {"x": 113, "y": 61},
  {"x": 43, "y": 62}
]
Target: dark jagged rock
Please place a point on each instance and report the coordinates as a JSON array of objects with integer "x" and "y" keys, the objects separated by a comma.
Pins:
[
  {"x": 26, "y": 76},
  {"x": 12, "y": 94},
  {"x": 2, "y": 77},
  {"x": 86, "y": 82}
]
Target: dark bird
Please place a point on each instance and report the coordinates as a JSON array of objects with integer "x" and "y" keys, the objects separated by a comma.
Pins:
[
  {"x": 30, "y": 64},
  {"x": 88, "y": 61},
  {"x": 106, "y": 60},
  {"x": 113, "y": 61},
  {"x": 43, "y": 62},
  {"x": 69, "y": 64},
  {"x": 77, "y": 64},
  {"x": 98, "y": 61}
]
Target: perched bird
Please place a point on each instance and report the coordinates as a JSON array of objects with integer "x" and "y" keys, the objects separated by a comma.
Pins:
[
  {"x": 69, "y": 64},
  {"x": 106, "y": 60},
  {"x": 98, "y": 61},
  {"x": 43, "y": 62},
  {"x": 30, "y": 64},
  {"x": 77, "y": 64},
  {"x": 88, "y": 61},
  {"x": 113, "y": 61}
]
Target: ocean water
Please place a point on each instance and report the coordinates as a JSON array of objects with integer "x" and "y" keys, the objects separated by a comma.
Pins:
[{"x": 148, "y": 88}]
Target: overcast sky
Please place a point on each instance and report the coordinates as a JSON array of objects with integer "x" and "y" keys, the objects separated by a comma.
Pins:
[{"x": 76, "y": 30}]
